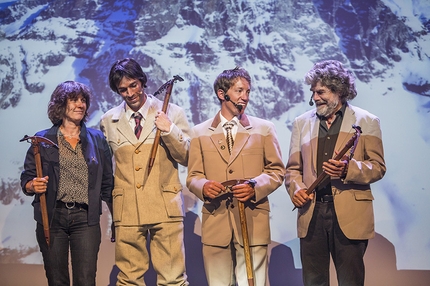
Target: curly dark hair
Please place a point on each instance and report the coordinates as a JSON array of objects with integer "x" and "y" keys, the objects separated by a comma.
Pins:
[
  {"x": 58, "y": 102},
  {"x": 334, "y": 76},
  {"x": 228, "y": 78},
  {"x": 128, "y": 68}
]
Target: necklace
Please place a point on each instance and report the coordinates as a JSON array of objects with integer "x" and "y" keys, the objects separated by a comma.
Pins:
[{"x": 70, "y": 136}]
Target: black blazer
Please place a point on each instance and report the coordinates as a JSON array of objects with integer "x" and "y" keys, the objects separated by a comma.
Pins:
[{"x": 98, "y": 156}]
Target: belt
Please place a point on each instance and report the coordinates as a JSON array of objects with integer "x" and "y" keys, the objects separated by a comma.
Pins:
[
  {"x": 71, "y": 205},
  {"x": 325, "y": 199}
]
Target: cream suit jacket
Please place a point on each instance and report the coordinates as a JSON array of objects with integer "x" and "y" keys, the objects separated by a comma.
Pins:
[
  {"x": 256, "y": 154},
  {"x": 353, "y": 199},
  {"x": 138, "y": 198}
]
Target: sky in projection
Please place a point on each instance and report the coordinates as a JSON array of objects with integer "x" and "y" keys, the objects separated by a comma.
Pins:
[{"x": 402, "y": 214}]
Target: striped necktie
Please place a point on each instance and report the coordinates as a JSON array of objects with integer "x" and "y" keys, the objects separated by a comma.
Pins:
[
  {"x": 228, "y": 127},
  {"x": 137, "y": 118}
]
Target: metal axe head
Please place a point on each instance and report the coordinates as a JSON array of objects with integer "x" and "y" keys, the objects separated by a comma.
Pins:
[
  {"x": 38, "y": 139},
  {"x": 169, "y": 82}
]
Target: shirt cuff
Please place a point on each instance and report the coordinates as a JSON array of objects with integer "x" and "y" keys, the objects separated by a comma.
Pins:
[{"x": 167, "y": 133}]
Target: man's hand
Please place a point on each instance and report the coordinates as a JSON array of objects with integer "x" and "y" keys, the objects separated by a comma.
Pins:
[
  {"x": 162, "y": 121},
  {"x": 243, "y": 192},
  {"x": 300, "y": 198},
  {"x": 212, "y": 189},
  {"x": 337, "y": 169}
]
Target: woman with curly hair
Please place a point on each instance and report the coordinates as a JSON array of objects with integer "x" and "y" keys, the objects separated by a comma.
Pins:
[{"x": 77, "y": 176}]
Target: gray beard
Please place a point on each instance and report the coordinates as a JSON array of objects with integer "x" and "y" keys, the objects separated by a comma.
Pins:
[{"x": 328, "y": 109}]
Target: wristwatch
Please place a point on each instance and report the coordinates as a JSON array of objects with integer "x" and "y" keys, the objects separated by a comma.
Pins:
[{"x": 252, "y": 183}]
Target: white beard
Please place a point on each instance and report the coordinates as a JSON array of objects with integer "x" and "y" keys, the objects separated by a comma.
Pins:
[{"x": 327, "y": 109}]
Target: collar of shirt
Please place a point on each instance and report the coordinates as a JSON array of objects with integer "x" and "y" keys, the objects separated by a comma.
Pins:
[
  {"x": 129, "y": 113},
  {"x": 235, "y": 122},
  {"x": 335, "y": 125}
]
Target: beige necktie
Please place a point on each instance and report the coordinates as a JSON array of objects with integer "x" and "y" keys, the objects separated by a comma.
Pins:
[{"x": 228, "y": 127}]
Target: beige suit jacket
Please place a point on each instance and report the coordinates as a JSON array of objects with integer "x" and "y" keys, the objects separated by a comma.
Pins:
[
  {"x": 256, "y": 154},
  {"x": 138, "y": 198},
  {"x": 353, "y": 199}
]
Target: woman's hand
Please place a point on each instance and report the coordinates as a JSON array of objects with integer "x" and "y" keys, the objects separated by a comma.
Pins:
[{"x": 37, "y": 185}]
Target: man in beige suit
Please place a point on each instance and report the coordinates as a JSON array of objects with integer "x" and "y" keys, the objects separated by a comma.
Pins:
[
  {"x": 146, "y": 207},
  {"x": 255, "y": 157},
  {"x": 338, "y": 218}
]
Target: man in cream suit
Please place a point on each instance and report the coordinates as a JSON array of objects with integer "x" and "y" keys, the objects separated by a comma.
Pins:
[
  {"x": 337, "y": 218},
  {"x": 146, "y": 207},
  {"x": 256, "y": 159}
]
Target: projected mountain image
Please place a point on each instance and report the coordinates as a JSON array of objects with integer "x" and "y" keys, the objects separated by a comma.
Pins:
[{"x": 385, "y": 43}]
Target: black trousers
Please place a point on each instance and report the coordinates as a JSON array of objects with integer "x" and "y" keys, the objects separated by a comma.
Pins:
[
  {"x": 325, "y": 238},
  {"x": 70, "y": 232}
]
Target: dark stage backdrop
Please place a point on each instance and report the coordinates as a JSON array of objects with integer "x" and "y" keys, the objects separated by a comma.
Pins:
[{"x": 386, "y": 44}]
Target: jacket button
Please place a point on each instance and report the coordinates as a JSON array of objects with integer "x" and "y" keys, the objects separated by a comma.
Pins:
[
  {"x": 230, "y": 171},
  {"x": 137, "y": 168},
  {"x": 138, "y": 186},
  {"x": 232, "y": 206},
  {"x": 137, "y": 151}
]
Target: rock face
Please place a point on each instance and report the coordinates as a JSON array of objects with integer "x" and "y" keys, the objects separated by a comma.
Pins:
[
  {"x": 368, "y": 32},
  {"x": 272, "y": 39}
]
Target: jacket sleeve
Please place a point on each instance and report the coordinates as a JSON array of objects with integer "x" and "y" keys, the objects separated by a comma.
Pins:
[
  {"x": 369, "y": 166},
  {"x": 29, "y": 171},
  {"x": 274, "y": 171},
  {"x": 107, "y": 178},
  {"x": 196, "y": 174},
  {"x": 294, "y": 167},
  {"x": 178, "y": 139}
]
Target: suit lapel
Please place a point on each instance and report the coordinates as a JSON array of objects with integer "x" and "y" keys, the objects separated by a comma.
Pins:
[
  {"x": 218, "y": 138},
  {"x": 220, "y": 143},
  {"x": 242, "y": 137},
  {"x": 345, "y": 130},
  {"x": 314, "y": 126},
  {"x": 124, "y": 128},
  {"x": 123, "y": 125},
  {"x": 343, "y": 137},
  {"x": 149, "y": 125}
]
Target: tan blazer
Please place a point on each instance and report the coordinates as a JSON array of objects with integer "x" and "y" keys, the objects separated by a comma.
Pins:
[
  {"x": 137, "y": 198},
  {"x": 352, "y": 196},
  {"x": 256, "y": 154}
]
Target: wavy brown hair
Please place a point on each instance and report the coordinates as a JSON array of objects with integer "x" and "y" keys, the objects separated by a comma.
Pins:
[{"x": 64, "y": 91}]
